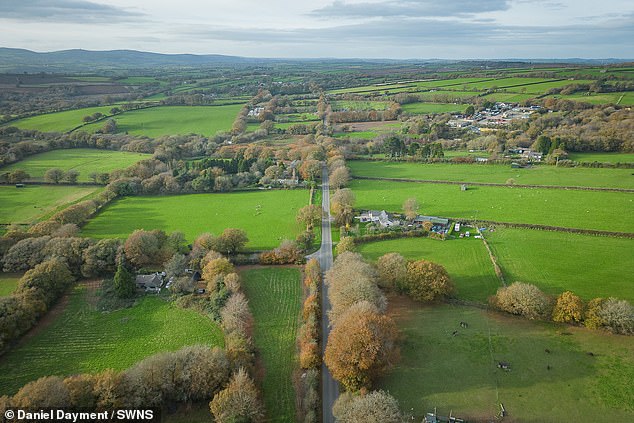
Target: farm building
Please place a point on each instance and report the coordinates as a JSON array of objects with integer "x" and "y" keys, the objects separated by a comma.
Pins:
[
  {"x": 436, "y": 221},
  {"x": 381, "y": 217},
  {"x": 149, "y": 283}
]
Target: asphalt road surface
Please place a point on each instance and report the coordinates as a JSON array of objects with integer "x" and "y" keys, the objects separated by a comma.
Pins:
[{"x": 329, "y": 387}]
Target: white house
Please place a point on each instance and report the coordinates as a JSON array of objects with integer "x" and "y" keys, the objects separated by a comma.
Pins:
[{"x": 374, "y": 216}]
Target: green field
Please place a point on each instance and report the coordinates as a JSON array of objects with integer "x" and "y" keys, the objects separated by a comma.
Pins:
[
  {"x": 609, "y": 211},
  {"x": 602, "y": 157},
  {"x": 466, "y": 261},
  {"x": 551, "y": 260},
  {"x": 275, "y": 298},
  {"x": 499, "y": 174},
  {"x": 429, "y": 108},
  {"x": 366, "y": 135},
  {"x": 339, "y": 105},
  {"x": 268, "y": 217},
  {"x": 8, "y": 283},
  {"x": 33, "y": 202},
  {"x": 60, "y": 121},
  {"x": 83, "y": 160},
  {"x": 459, "y": 373},
  {"x": 172, "y": 120},
  {"x": 84, "y": 340}
]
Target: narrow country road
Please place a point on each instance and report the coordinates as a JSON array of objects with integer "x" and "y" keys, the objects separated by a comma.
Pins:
[{"x": 329, "y": 388}]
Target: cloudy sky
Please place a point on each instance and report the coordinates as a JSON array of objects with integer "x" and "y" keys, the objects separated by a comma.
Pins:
[{"x": 451, "y": 29}]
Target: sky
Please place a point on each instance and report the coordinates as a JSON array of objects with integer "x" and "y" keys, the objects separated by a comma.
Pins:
[{"x": 396, "y": 29}]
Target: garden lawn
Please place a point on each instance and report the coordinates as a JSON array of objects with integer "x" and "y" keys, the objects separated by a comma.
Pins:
[
  {"x": 8, "y": 283},
  {"x": 268, "y": 216},
  {"x": 83, "y": 160},
  {"x": 173, "y": 120},
  {"x": 590, "y": 266},
  {"x": 608, "y": 211},
  {"x": 466, "y": 261},
  {"x": 459, "y": 373},
  {"x": 275, "y": 297},
  {"x": 84, "y": 340},
  {"x": 602, "y": 157},
  {"x": 60, "y": 121},
  {"x": 499, "y": 174},
  {"x": 429, "y": 108},
  {"x": 34, "y": 202}
]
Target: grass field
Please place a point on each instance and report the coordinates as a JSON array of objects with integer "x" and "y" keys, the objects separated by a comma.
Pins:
[
  {"x": 60, "y": 121},
  {"x": 603, "y": 157},
  {"x": 339, "y": 105},
  {"x": 466, "y": 261},
  {"x": 275, "y": 300},
  {"x": 33, "y": 202},
  {"x": 83, "y": 160},
  {"x": 172, "y": 120},
  {"x": 84, "y": 340},
  {"x": 610, "y": 211},
  {"x": 551, "y": 261},
  {"x": 499, "y": 174},
  {"x": 8, "y": 283},
  {"x": 459, "y": 373},
  {"x": 429, "y": 108},
  {"x": 268, "y": 217},
  {"x": 366, "y": 135}
]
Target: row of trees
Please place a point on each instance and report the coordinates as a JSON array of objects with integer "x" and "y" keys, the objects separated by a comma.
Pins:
[
  {"x": 529, "y": 301},
  {"x": 362, "y": 343},
  {"x": 309, "y": 344}
]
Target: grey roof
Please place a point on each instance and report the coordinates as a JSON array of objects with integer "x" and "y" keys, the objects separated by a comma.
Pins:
[{"x": 149, "y": 281}]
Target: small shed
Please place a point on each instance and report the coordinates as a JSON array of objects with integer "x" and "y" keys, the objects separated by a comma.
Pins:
[
  {"x": 19, "y": 185},
  {"x": 463, "y": 187}
]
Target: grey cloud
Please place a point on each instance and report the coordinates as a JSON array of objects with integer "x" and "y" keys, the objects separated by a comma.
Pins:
[
  {"x": 422, "y": 33},
  {"x": 409, "y": 8},
  {"x": 76, "y": 11}
]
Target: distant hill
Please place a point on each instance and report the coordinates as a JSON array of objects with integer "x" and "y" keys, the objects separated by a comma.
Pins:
[
  {"x": 13, "y": 60},
  {"x": 21, "y": 60}
]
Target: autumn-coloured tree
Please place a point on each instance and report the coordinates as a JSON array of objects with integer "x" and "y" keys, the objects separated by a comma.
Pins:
[
  {"x": 410, "y": 208},
  {"x": 361, "y": 346},
  {"x": 235, "y": 314},
  {"x": 346, "y": 243},
  {"x": 427, "y": 281},
  {"x": 617, "y": 316},
  {"x": 392, "y": 271},
  {"x": 309, "y": 215},
  {"x": 351, "y": 280},
  {"x": 523, "y": 299},
  {"x": 145, "y": 248},
  {"x": 340, "y": 177},
  {"x": 568, "y": 308},
  {"x": 219, "y": 266},
  {"x": 310, "y": 170},
  {"x": 54, "y": 175},
  {"x": 238, "y": 402},
  {"x": 372, "y": 407},
  {"x": 342, "y": 204},
  {"x": 46, "y": 392},
  {"x": 592, "y": 317}
]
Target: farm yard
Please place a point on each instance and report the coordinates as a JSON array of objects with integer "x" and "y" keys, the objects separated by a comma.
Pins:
[
  {"x": 503, "y": 204},
  {"x": 466, "y": 261},
  {"x": 82, "y": 339},
  {"x": 459, "y": 373},
  {"x": 83, "y": 160},
  {"x": 552, "y": 260},
  {"x": 259, "y": 213},
  {"x": 275, "y": 296},
  {"x": 35, "y": 202},
  {"x": 498, "y": 174}
]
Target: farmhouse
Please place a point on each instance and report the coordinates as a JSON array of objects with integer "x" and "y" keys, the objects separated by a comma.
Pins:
[
  {"x": 149, "y": 283},
  {"x": 381, "y": 217}
]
